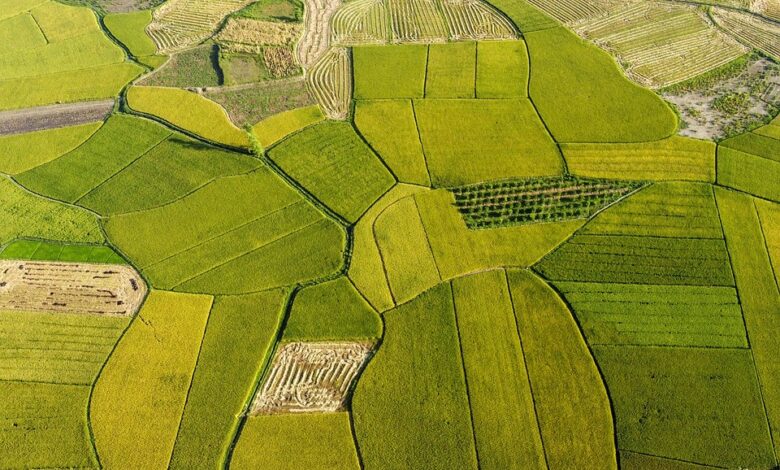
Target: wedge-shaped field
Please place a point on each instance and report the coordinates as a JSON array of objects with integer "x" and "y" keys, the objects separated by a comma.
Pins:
[
  {"x": 25, "y": 214},
  {"x": 24, "y": 152},
  {"x": 60, "y": 46},
  {"x": 525, "y": 15},
  {"x": 675, "y": 158},
  {"x": 694, "y": 404},
  {"x": 294, "y": 441},
  {"x": 130, "y": 29},
  {"x": 470, "y": 141},
  {"x": 332, "y": 311},
  {"x": 583, "y": 96},
  {"x": 65, "y": 287},
  {"x": 332, "y": 163},
  {"x": 139, "y": 397},
  {"x": 751, "y": 162},
  {"x": 44, "y": 425},
  {"x": 235, "y": 348},
  {"x": 238, "y": 234},
  {"x": 668, "y": 234},
  {"x": 330, "y": 81},
  {"x": 400, "y": 149},
  {"x": 437, "y": 360},
  {"x": 275, "y": 128},
  {"x": 189, "y": 112},
  {"x": 118, "y": 143},
  {"x": 758, "y": 292}
]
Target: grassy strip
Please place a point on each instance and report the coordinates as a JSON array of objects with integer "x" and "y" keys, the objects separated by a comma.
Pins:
[
  {"x": 139, "y": 398},
  {"x": 758, "y": 293},
  {"x": 48, "y": 251},
  {"x": 238, "y": 337},
  {"x": 579, "y": 433}
]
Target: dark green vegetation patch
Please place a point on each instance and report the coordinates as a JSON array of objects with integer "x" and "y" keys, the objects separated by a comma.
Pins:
[
  {"x": 48, "y": 251},
  {"x": 503, "y": 203}
]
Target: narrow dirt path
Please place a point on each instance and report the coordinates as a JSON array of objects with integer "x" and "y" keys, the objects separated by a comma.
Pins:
[{"x": 18, "y": 121}]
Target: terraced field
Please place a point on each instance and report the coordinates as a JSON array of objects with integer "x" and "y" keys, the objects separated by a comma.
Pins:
[{"x": 413, "y": 234}]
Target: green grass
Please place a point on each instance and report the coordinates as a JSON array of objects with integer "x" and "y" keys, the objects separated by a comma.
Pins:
[
  {"x": 275, "y": 128},
  {"x": 138, "y": 400},
  {"x": 44, "y": 426},
  {"x": 692, "y": 404},
  {"x": 751, "y": 163},
  {"x": 213, "y": 241},
  {"x": 525, "y": 16},
  {"x": 675, "y": 158},
  {"x": 577, "y": 433},
  {"x": 459, "y": 250},
  {"x": 167, "y": 172},
  {"x": 238, "y": 336},
  {"x": 396, "y": 71},
  {"x": 498, "y": 387},
  {"x": 332, "y": 311},
  {"x": 273, "y": 10},
  {"x": 451, "y": 70},
  {"x": 60, "y": 22},
  {"x": 27, "y": 215},
  {"x": 188, "y": 111},
  {"x": 336, "y": 166},
  {"x": 296, "y": 441},
  {"x": 758, "y": 293},
  {"x": 55, "y": 348},
  {"x": 94, "y": 83},
  {"x": 23, "y": 152},
  {"x": 502, "y": 69},
  {"x": 121, "y": 141},
  {"x": 14, "y": 7},
  {"x": 583, "y": 96},
  {"x": 403, "y": 244},
  {"x": 657, "y": 315},
  {"x": 418, "y": 365},
  {"x": 23, "y": 30},
  {"x": 401, "y": 149},
  {"x": 470, "y": 141},
  {"x": 48, "y": 251},
  {"x": 195, "y": 67},
  {"x": 130, "y": 30},
  {"x": 366, "y": 268}
]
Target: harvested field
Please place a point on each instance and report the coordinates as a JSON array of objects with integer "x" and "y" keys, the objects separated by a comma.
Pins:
[
  {"x": 316, "y": 33},
  {"x": 503, "y": 203},
  {"x": 660, "y": 44},
  {"x": 311, "y": 377},
  {"x": 280, "y": 62},
  {"x": 330, "y": 80},
  {"x": 60, "y": 287},
  {"x": 567, "y": 11},
  {"x": 182, "y": 23},
  {"x": 475, "y": 19},
  {"x": 752, "y": 30},
  {"x": 253, "y": 33},
  {"x": 53, "y": 116}
]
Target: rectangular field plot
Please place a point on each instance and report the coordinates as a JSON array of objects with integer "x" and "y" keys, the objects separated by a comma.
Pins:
[
  {"x": 55, "y": 348},
  {"x": 336, "y": 166},
  {"x": 310, "y": 377},
  {"x": 46, "y": 251},
  {"x": 751, "y": 163},
  {"x": 502, "y": 69},
  {"x": 694, "y": 404},
  {"x": 470, "y": 141},
  {"x": 61, "y": 287},
  {"x": 389, "y": 71},
  {"x": 451, "y": 70},
  {"x": 657, "y": 315}
]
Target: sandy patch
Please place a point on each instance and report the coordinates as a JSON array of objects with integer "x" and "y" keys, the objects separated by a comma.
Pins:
[
  {"x": 62, "y": 287},
  {"x": 310, "y": 377}
]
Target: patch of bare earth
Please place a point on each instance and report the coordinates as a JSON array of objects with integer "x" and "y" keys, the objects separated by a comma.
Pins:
[
  {"x": 63, "y": 287},
  {"x": 316, "y": 34},
  {"x": 40, "y": 118},
  {"x": 310, "y": 377}
]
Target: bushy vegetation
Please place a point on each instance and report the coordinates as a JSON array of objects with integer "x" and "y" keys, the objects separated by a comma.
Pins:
[{"x": 196, "y": 67}]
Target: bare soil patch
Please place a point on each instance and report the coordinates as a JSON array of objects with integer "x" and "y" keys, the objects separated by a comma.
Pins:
[
  {"x": 310, "y": 377},
  {"x": 49, "y": 117},
  {"x": 62, "y": 287}
]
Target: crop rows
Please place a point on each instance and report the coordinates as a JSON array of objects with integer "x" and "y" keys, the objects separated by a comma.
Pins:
[
  {"x": 365, "y": 21},
  {"x": 567, "y": 11},
  {"x": 490, "y": 205},
  {"x": 181, "y": 23},
  {"x": 661, "y": 44},
  {"x": 750, "y": 29},
  {"x": 330, "y": 80},
  {"x": 315, "y": 41}
]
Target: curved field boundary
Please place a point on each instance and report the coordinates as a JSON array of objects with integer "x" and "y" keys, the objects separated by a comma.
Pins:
[
  {"x": 361, "y": 22},
  {"x": 53, "y": 116},
  {"x": 750, "y": 29},
  {"x": 316, "y": 33},
  {"x": 275, "y": 128},
  {"x": 330, "y": 80}
]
